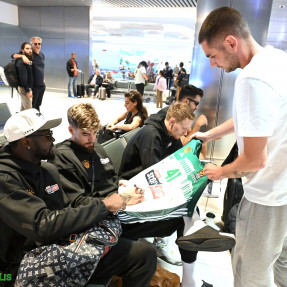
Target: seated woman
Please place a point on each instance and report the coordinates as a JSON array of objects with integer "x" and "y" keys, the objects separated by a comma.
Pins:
[
  {"x": 135, "y": 115},
  {"x": 109, "y": 83}
]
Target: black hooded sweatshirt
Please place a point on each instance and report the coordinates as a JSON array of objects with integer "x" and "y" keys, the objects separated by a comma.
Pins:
[
  {"x": 34, "y": 208},
  {"x": 83, "y": 173},
  {"x": 148, "y": 146}
]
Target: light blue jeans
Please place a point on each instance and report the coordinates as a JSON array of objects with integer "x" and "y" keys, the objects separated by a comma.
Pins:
[{"x": 72, "y": 81}]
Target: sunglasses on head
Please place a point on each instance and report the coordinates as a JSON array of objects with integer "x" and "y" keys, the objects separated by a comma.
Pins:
[
  {"x": 49, "y": 136},
  {"x": 196, "y": 102}
]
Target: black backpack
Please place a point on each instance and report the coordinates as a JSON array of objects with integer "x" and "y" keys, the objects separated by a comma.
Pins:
[
  {"x": 233, "y": 193},
  {"x": 11, "y": 74},
  {"x": 184, "y": 81}
]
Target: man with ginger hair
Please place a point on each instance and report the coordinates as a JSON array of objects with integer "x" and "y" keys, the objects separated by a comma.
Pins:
[{"x": 159, "y": 138}]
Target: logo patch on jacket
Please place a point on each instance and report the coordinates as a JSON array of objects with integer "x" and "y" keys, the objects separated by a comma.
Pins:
[
  {"x": 51, "y": 188},
  {"x": 86, "y": 164},
  {"x": 104, "y": 160}
]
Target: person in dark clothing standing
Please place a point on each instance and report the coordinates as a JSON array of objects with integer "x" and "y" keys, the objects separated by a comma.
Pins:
[
  {"x": 30, "y": 212},
  {"x": 72, "y": 69},
  {"x": 24, "y": 73},
  {"x": 38, "y": 72},
  {"x": 37, "y": 69},
  {"x": 168, "y": 74}
]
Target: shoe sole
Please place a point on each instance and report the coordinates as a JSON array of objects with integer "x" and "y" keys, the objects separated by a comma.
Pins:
[{"x": 211, "y": 245}]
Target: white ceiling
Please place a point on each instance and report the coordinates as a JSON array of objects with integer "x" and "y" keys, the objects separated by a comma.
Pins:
[
  {"x": 106, "y": 3},
  {"x": 277, "y": 33}
]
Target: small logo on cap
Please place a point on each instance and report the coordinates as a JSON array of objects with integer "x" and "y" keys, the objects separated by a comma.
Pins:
[{"x": 28, "y": 131}]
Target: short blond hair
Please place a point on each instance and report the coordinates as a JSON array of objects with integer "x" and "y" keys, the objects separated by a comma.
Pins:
[
  {"x": 180, "y": 112},
  {"x": 83, "y": 116}
]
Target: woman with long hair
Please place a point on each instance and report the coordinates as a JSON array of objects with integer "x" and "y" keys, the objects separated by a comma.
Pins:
[
  {"x": 140, "y": 76},
  {"x": 135, "y": 115}
]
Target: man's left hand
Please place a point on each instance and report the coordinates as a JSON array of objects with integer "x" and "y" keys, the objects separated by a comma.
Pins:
[{"x": 134, "y": 197}]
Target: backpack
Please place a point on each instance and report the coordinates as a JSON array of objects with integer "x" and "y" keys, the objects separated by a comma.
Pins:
[
  {"x": 184, "y": 81},
  {"x": 233, "y": 193},
  {"x": 11, "y": 74}
]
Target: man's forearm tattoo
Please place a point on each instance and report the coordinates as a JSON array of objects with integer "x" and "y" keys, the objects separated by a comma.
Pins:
[
  {"x": 238, "y": 174},
  {"x": 126, "y": 197}
]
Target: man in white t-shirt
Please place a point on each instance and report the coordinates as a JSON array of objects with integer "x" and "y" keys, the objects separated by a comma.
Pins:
[{"x": 259, "y": 121}]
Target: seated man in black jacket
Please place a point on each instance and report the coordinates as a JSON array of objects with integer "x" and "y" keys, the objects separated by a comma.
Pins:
[
  {"x": 160, "y": 137},
  {"x": 30, "y": 212},
  {"x": 95, "y": 81}
]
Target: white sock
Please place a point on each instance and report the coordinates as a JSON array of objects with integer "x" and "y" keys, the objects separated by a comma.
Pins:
[
  {"x": 192, "y": 224},
  {"x": 189, "y": 278}
]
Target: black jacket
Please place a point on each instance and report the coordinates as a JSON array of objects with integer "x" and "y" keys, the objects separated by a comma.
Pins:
[
  {"x": 71, "y": 66},
  {"x": 38, "y": 69},
  {"x": 168, "y": 73},
  {"x": 148, "y": 146},
  {"x": 24, "y": 73},
  {"x": 34, "y": 208},
  {"x": 83, "y": 173},
  {"x": 99, "y": 80}
]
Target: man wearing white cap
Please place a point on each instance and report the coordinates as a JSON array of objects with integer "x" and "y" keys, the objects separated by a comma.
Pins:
[{"x": 34, "y": 208}]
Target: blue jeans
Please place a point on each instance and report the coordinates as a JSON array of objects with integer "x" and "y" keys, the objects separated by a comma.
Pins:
[{"x": 72, "y": 81}]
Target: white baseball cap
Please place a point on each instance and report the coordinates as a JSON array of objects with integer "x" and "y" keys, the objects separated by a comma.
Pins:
[{"x": 27, "y": 122}]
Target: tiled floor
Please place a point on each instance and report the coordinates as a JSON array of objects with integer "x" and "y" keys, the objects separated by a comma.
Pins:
[{"x": 214, "y": 268}]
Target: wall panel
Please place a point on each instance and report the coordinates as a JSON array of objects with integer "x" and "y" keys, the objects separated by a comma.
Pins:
[{"x": 63, "y": 30}]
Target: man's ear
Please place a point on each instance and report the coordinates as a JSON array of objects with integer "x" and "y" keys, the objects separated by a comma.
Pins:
[
  {"x": 171, "y": 122},
  {"x": 185, "y": 101},
  {"x": 26, "y": 142},
  {"x": 230, "y": 43},
  {"x": 71, "y": 130}
]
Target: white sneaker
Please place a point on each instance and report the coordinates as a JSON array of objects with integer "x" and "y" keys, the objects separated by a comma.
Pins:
[
  {"x": 210, "y": 220},
  {"x": 165, "y": 253}
]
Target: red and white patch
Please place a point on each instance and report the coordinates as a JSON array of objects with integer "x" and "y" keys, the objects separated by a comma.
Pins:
[{"x": 52, "y": 188}]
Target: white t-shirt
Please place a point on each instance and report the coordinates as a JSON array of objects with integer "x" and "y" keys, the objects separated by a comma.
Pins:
[
  {"x": 139, "y": 79},
  {"x": 260, "y": 110}
]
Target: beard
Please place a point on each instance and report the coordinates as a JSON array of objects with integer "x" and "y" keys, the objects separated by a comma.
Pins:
[
  {"x": 232, "y": 60},
  {"x": 30, "y": 57},
  {"x": 89, "y": 149}
]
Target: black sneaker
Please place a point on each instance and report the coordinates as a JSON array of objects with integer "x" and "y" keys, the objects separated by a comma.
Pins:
[{"x": 206, "y": 239}]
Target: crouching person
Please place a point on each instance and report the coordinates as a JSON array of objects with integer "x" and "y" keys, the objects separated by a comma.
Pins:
[{"x": 31, "y": 211}]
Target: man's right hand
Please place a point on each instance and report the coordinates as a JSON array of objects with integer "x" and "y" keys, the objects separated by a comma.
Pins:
[
  {"x": 199, "y": 135},
  {"x": 115, "y": 202}
]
